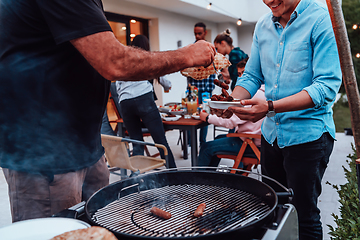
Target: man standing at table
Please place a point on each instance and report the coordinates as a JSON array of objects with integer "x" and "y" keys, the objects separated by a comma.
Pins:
[
  {"x": 56, "y": 60},
  {"x": 205, "y": 85},
  {"x": 294, "y": 54}
]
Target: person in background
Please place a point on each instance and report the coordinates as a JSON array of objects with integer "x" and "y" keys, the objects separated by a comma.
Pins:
[
  {"x": 204, "y": 86},
  {"x": 294, "y": 53},
  {"x": 240, "y": 66},
  {"x": 224, "y": 45},
  {"x": 138, "y": 108},
  {"x": 207, "y": 155},
  {"x": 54, "y": 86}
]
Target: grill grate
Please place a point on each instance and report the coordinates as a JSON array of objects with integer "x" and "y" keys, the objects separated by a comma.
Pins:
[{"x": 226, "y": 209}]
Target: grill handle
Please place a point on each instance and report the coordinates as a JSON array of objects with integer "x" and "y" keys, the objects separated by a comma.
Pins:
[
  {"x": 289, "y": 193},
  {"x": 73, "y": 212}
]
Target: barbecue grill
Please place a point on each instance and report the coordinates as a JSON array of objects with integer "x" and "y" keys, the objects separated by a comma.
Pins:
[{"x": 237, "y": 207}]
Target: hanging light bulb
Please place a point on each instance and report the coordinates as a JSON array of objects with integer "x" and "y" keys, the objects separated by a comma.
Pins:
[
  {"x": 209, "y": 6},
  {"x": 355, "y": 26},
  {"x": 133, "y": 21},
  {"x": 239, "y": 22},
  {"x": 357, "y": 55}
]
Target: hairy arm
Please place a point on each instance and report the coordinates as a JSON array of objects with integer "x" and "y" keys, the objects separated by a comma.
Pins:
[{"x": 115, "y": 61}]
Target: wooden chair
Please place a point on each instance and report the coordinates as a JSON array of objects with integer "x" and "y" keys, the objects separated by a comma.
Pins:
[
  {"x": 248, "y": 161},
  {"x": 117, "y": 155}
]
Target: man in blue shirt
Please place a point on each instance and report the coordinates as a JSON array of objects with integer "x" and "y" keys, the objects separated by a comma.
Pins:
[{"x": 294, "y": 54}]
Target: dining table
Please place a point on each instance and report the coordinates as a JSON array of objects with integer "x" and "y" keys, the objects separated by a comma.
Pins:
[{"x": 184, "y": 125}]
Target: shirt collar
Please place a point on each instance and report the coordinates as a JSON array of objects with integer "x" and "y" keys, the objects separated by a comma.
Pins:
[{"x": 300, "y": 8}]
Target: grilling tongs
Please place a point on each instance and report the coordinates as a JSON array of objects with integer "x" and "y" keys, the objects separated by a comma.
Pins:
[{"x": 219, "y": 76}]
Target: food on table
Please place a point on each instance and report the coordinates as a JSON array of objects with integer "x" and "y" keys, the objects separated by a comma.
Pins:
[
  {"x": 199, "y": 73},
  {"x": 221, "y": 84},
  {"x": 200, "y": 210},
  {"x": 97, "y": 233},
  {"x": 160, "y": 213}
]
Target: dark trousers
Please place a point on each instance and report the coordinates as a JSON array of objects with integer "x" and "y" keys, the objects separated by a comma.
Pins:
[
  {"x": 143, "y": 110},
  {"x": 301, "y": 168}
]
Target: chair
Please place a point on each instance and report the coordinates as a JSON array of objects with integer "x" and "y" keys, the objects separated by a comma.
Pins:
[
  {"x": 248, "y": 161},
  {"x": 117, "y": 155}
]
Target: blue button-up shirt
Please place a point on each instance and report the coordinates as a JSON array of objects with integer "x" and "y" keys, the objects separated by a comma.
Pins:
[{"x": 301, "y": 56}]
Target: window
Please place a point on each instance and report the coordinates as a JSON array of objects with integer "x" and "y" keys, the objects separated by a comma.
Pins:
[{"x": 125, "y": 28}]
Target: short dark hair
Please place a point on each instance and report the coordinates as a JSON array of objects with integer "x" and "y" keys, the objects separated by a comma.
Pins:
[
  {"x": 242, "y": 63},
  {"x": 201, "y": 24},
  {"x": 141, "y": 41}
]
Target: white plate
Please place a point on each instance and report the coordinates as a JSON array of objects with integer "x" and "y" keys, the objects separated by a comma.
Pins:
[
  {"x": 171, "y": 111},
  {"x": 167, "y": 118},
  {"x": 41, "y": 228},
  {"x": 223, "y": 104},
  {"x": 196, "y": 116}
]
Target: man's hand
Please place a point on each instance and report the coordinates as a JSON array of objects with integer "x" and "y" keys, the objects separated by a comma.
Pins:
[
  {"x": 257, "y": 111},
  {"x": 201, "y": 53}
]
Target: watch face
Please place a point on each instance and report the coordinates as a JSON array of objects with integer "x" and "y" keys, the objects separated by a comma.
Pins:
[{"x": 270, "y": 114}]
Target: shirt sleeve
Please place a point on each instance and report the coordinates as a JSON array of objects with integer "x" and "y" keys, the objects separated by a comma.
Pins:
[
  {"x": 326, "y": 65},
  {"x": 229, "y": 123},
  {"x": 69, "y": 19}
]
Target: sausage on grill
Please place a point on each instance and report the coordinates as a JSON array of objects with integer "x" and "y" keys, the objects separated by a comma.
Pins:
[
  {"x": 200, "y": 210},
  {"x": 160, "y": 213}
]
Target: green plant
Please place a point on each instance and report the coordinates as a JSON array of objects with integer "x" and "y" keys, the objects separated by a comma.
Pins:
[{"x": 348, "y": 224}]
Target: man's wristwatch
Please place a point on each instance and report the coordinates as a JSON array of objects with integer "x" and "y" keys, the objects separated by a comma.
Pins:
[
  {"x": 207, "y": 118},
  {"x": 271, "y": 111}
]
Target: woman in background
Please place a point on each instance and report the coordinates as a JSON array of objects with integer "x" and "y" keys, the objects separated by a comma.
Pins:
[
  {"x": 224, "y": 45},
  {"x": 138, "y": 108}
]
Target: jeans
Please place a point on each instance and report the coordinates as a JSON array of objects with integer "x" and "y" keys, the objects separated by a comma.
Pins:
[
  {"x": 301, "y": 168},
  {"x": 142, "y": 110},
  {"x": 221, "y": 143}
]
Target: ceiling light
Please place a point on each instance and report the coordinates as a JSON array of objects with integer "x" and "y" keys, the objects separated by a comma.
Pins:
[
  {"x": 209, "y": 6},
  {"x": 357, "y": 55},
  {"x": 355, "y": 26},
  {"x": 239, "y": 22},
  {"x": 133, "y": 21}
]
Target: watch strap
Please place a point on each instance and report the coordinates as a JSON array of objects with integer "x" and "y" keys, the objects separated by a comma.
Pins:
[{"x": 270, "y": 105}]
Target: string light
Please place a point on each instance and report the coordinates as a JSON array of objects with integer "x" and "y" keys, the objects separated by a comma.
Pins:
[
  {"x": 355, "y": 26},
  {"x": 357, "y": 55},
  {"x": 239, "y": 22},
  {"x": 133, "y": 21}
]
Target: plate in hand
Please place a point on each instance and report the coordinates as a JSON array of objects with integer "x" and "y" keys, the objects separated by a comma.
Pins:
[{"x": 224, "y": 104}]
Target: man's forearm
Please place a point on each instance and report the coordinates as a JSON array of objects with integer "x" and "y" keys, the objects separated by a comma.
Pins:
[{"x": 115, "y": 61}]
